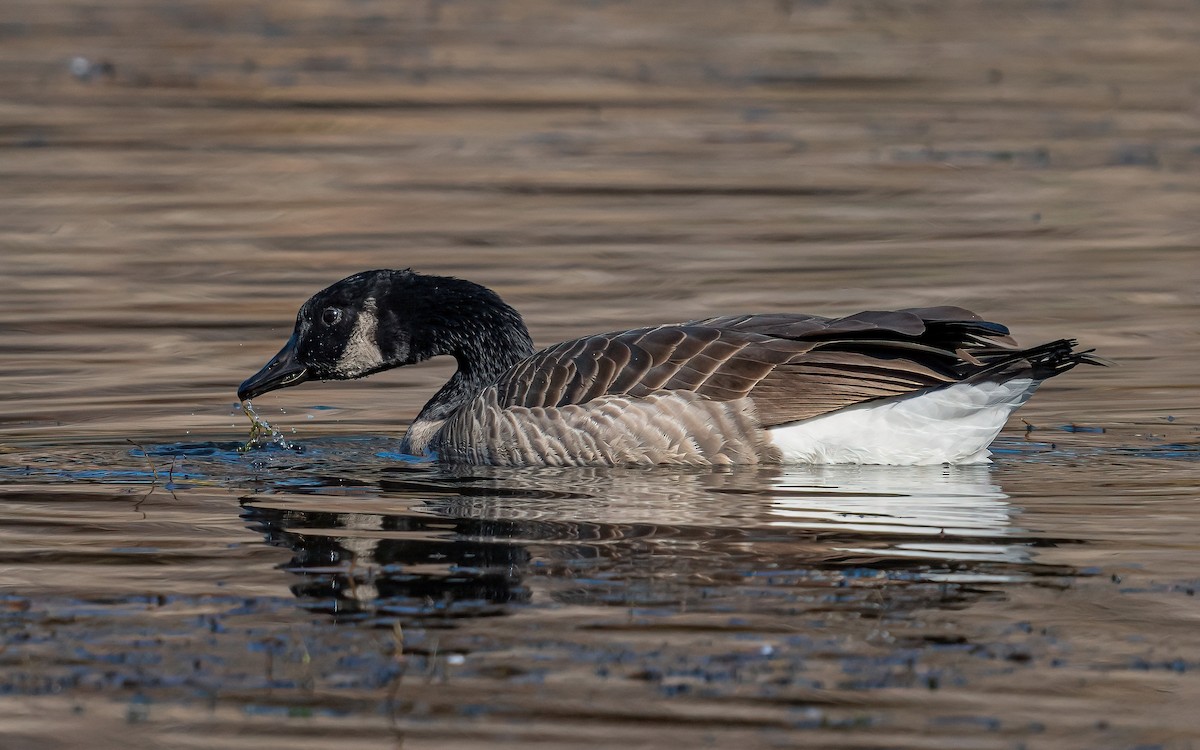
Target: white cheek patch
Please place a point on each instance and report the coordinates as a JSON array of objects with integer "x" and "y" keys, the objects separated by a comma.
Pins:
[{"x": 362, "y": 353}]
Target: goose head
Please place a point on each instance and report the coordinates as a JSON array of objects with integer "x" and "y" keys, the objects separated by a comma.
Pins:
[{"x": 376, "y": 320}]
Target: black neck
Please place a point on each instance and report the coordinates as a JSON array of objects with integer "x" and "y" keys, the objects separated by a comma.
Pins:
[
  {"x": 480, "y": 364},
  {"x": 470, "y": 323}
]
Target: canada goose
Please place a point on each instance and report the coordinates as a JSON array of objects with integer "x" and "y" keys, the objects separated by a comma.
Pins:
[{"x": 917, "y": 386}]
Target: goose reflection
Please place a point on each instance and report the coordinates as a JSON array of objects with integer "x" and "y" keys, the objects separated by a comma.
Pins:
[
  {"x": 443, "y": 544},
  {"x": 952, "y": 513}
]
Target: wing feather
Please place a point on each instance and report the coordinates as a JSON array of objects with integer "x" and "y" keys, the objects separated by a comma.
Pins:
[{"x": 793, "y": 367}]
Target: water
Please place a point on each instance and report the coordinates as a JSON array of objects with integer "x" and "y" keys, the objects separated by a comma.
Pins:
[{"x": 169, "y": 202}]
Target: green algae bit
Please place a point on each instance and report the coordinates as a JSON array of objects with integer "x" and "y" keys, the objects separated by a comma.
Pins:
[{"x": 262, "y": 434}]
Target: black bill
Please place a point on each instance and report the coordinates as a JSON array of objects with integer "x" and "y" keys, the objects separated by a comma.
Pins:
[{"x": 282, "y": 371}]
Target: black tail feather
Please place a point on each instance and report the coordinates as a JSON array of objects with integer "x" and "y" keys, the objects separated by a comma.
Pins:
[{"x": 1043, "y": 361}]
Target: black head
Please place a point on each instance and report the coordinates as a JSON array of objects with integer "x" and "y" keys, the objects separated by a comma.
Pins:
[
  {"x": 376, "y": 320},
  {"x": 338, "y": 336}
]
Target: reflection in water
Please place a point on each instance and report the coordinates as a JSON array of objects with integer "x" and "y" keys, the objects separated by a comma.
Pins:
[
  {"x": 960, "y": 501},
  {"x": 836, "y": 599},
  {"x": 471, "y": 542},
  {"x": 402, "y": 565},
  {"x": 969, "y": 516}
]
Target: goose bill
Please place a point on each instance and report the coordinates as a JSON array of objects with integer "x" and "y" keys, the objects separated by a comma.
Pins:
[{"x": 282, "y": 371}]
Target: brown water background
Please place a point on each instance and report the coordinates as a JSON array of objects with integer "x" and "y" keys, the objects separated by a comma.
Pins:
[{"x": 176, "y": 178}]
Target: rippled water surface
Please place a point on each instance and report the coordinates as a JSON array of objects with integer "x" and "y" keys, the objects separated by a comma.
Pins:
[{"x": 176, "y": 178}]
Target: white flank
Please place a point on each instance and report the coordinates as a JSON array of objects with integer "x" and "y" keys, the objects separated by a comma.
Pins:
[{"x": 954, "y": 424}]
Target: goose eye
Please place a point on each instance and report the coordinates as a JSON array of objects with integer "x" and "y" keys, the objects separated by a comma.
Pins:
[{"x": 330, "y": 316}]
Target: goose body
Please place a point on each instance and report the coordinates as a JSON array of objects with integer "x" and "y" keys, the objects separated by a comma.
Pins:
[{"x": 916, "y": 386}]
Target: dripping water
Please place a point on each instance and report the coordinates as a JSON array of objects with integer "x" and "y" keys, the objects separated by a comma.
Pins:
[{"x": 262, "y": 434}]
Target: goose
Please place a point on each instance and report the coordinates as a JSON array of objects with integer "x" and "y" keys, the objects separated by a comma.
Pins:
[{"x": 916, "y": 386}]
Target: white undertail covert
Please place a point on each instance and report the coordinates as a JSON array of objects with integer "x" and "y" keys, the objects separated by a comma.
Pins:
[{"x": 952, "y": 424}]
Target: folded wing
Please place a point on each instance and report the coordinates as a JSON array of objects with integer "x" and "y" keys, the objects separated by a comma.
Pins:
[{"x": 794, "y": 367}]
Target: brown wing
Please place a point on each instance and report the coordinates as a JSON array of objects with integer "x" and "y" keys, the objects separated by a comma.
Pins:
[{"x": 793, "y": 366}]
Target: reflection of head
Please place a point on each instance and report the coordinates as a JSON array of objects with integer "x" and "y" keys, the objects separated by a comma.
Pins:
[{"x": 357, "y": 565}]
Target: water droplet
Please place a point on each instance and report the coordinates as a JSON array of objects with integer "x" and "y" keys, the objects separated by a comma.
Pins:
[{"x": 262, "y": 433}]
